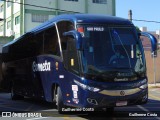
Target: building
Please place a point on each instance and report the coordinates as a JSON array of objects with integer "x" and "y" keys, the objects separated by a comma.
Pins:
[{"x": 21, "y": 16}]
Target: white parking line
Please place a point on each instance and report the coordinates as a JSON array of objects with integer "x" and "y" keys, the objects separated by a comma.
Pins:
[
  {"x": 142, "y": 108},
  {"x": 37, "y": 118}
]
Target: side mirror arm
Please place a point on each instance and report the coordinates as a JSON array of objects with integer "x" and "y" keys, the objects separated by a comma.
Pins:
[{"x": 152, "y": 39}]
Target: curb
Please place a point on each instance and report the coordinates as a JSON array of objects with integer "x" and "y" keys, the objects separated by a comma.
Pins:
[{"x": 154, "y": 85}]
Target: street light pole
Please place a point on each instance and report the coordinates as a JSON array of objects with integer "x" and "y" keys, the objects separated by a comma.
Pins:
[
  {"x": 154, "y": 68},
  {"x": 130, "y": 15}
]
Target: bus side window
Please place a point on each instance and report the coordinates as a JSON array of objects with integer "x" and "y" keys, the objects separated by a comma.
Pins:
[
  {"x": 38, "y": 41},
  {"x": 51, "y": 45},
  {"x": 64, "y": 26}
]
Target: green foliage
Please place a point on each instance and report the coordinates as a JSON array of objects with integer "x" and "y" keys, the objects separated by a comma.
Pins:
[{"x": 138, "y": 30}]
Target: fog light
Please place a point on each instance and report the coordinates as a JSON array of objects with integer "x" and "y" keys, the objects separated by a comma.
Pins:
[
  {"x": 86, "y": 87},
  {"x": 92, "y": 101}
]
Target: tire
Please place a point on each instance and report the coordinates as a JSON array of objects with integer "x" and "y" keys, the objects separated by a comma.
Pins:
[
  {"x": 59, "y": 101},
  {"x": 15, "y": 96}
]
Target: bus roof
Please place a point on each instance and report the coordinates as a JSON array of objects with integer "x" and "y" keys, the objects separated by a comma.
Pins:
[
  {"x": 85, "y": 18},
  {"x": 76, "y": 18}
]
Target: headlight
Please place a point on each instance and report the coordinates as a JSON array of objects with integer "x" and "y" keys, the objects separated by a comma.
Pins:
[
  {"x": 143, "y": 86},
  {"x": 86, "y": 87}
]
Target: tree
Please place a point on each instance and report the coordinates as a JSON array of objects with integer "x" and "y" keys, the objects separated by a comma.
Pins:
[{"x": 138, "y": 30}]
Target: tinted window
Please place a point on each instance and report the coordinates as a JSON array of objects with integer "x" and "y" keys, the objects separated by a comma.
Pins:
[{"x": 51, "y": 45}]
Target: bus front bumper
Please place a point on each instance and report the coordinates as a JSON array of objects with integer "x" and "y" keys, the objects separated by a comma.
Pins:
[
  {"x": 113, "y": 94},
  {"x": 117, "y": 98}
]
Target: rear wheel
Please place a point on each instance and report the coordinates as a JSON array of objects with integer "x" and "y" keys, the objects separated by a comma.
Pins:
[
  {"x": 59, "y": 100},
  {"x": 15, "y": 96}
]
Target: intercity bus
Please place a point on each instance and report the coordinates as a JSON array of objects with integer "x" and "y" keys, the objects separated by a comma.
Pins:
[{"x": 79, "y": 60}]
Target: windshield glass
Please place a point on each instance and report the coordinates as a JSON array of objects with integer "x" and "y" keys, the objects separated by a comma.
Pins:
[{"x": 109, "y": 49}]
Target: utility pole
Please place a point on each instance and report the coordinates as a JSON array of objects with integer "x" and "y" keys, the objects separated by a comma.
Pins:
[
  {"x": 154, "y": 67},
  {"x": 130, "y": 15}
]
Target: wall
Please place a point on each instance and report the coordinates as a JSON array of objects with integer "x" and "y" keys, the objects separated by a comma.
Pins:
[
  {"x": 29, "y": 10},
  {"x": 87, "y": 6},
  {"x": 8, "y": 11},
  {"x": 16, "y": 7},
  {"x": 44, "y": 3},
  {"x": 28, "y": 20},
  {"x": 150, "y": 67},
  {"x": 72, "y": 5},
  {"x": 105, "y": 9},
  {"x": 2, "y": 16}
]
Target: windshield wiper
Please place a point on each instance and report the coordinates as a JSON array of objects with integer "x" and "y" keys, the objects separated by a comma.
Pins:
[
  {"x": 112, "y": 73},
  {"x": 117, "y": 37}
]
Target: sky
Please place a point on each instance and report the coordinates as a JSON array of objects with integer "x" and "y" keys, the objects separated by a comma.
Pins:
[{"x": 141, "y": 10}]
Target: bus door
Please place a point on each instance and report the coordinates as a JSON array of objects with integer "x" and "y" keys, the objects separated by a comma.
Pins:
[
  {"x": 70, "y": 56},
  {"x": 72, "y": 65}
]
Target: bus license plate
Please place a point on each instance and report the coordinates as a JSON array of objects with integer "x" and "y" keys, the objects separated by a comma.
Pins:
[{"x": 121, "y": 103}]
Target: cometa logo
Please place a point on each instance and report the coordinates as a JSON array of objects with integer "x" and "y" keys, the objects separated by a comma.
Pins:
[{"x": 46, "y": 66}]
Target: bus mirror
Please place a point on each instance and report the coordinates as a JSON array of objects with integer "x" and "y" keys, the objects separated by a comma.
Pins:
[
  {"x": 68, "y": 35},
  {"x": 76, "y": 35},
  {"x": 153, "y": 41}
]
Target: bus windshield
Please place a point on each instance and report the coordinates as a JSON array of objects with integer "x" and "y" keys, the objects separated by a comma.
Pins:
[{"x": 109, "y": 50}]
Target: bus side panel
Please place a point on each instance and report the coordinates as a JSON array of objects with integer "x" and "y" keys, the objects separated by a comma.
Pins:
[
  {"x": 51, "y": 71},
  {"x": 35, "y": 80},
  {"x": 72, "y": 94},
  {"x": 44, "y": 75}
]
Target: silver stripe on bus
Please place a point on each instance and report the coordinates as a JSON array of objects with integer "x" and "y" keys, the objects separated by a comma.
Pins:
[
  {"x": 59, "y": 41},
  {"x": 120, "y": 92}
]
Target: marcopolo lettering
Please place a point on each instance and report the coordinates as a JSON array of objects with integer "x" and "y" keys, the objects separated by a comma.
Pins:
[{"x": 46, "y": 66}]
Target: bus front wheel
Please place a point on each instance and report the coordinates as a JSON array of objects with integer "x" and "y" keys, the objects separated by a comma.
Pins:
[{"x": 59, "y": 100}]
